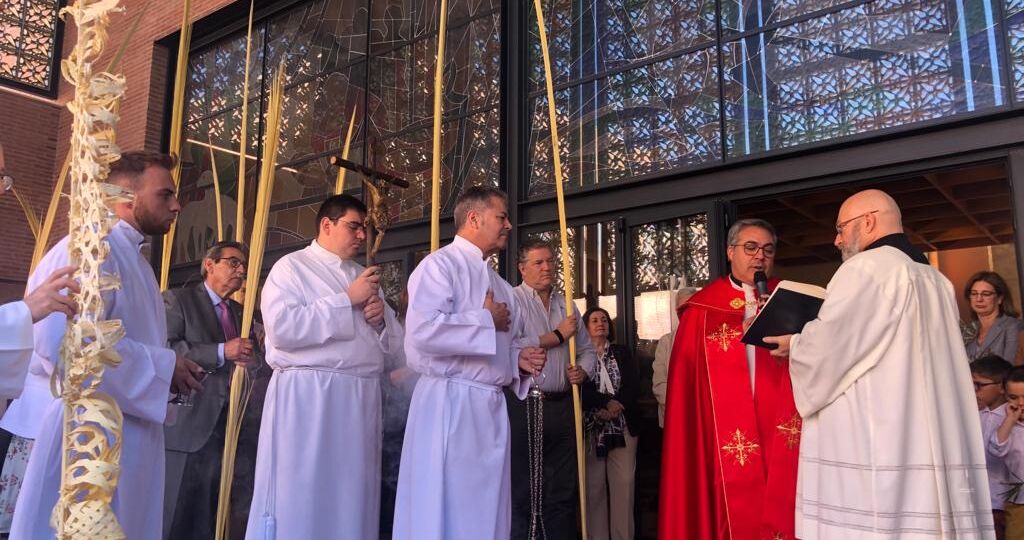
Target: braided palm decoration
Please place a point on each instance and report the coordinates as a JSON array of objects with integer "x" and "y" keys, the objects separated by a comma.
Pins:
[{"x": 92, "y": 421}]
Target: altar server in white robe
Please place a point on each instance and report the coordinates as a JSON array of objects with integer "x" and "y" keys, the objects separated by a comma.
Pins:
[
  {"x": 16, "y": 320},
  {"x": 891, "y": 445},
  {"x": 462, "y": 330},
  {"x": 328, "y": 333},
  {"x": 148, "y": 369},
  {"x": 26, "y": 378}
]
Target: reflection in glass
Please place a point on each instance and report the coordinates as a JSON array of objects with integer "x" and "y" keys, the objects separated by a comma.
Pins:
[
  {"x": 868, "y": 67},
  {"x": 667, "y": 255},
  {"x": 657, "y": 117},
  {"x": 597, "y": 36}
]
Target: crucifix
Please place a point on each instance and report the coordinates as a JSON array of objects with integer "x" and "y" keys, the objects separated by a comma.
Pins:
[{"x": 377, "y": 184}]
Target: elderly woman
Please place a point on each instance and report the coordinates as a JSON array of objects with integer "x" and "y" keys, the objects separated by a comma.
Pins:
[
  {"x": 996, "y": 328},
  {"x": 611, "y": 418}
]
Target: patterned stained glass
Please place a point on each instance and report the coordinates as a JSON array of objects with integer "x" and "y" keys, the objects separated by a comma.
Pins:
[
  {"x": 673, "y": 248},
  {"x": 876, "y": 65},
  {"x": 215, "y": 76},
  {"x": 1014, "y": 12},
  {"x": 317, "y": 38},
  {"x": 323, "y": 46},
  {"x": 587, "y": 38},
  {"x": 652, "y": 118},
  {"x": 399, "y": 21},
  {"x": 28, "y": 35},
  {"x": 470, "y": 156},
  {"x": 402, "y": 80},
  {"x": 740, "y": 16}
]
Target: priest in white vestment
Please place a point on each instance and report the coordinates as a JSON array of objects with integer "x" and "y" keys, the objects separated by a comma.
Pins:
[
  {"x": 148, "y": 369},
  {"x": 891, "y": 445},
  {"x": 328, "y": 333},
  {"x": 16, "y": 319},
  {"x": 461, "y": 336}
]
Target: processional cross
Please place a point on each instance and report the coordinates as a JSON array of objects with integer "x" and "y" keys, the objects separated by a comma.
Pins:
[{"x": 377, "y": 184}]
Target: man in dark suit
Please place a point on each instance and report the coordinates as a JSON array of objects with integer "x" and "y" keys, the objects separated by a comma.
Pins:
[{"x": 203, "y": 324}]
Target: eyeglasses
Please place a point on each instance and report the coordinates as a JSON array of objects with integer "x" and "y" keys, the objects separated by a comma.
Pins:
[
  {"x": 980, "y": 385},
  {"x": 981, "y": 294},
  {"x": 751, "y": 248},
  {"x": 840, "y": 226},
  {"x": 353, "y": 226},
  {"x": 234, "y": 262}
]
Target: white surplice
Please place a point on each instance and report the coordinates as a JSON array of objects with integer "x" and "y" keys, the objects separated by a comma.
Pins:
[
  {"x": 891, "y": 445},
  {"x": 140, "y": 385},
  {"x": 15, "y": 347},
  {"x": 454, "y": 480},
  {"x": 318, "y": 462},
  {"x": 25, "y": 415}
]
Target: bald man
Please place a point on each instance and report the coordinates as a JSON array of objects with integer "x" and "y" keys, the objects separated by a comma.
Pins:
[{"x": 891, "y": 444}]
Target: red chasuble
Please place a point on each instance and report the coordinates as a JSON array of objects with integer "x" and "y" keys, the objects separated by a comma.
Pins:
[{"x": 730, "y": 455}]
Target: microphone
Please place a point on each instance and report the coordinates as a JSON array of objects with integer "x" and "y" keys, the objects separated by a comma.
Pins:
[{"x": 761, "y": 283}]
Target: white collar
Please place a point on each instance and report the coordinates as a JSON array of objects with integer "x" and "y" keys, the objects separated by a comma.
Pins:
[
  {"x": 324, "y": 255},
  {"x": 469, "y": 247}
]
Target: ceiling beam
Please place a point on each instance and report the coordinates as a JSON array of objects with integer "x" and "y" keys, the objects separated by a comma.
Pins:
[{"x": 933, "y": 179}]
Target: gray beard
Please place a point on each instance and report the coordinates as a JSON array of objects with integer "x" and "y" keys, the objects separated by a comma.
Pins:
[{"x": 852, "y": 247}]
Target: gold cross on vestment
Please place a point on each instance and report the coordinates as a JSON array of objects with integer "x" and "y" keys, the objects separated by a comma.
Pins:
[
  {"x": 778, "y": 536},
  {"x": 791, "y": 431},
  {"x": 724, "y": 336},
  {"x": 741, "y": 448}
]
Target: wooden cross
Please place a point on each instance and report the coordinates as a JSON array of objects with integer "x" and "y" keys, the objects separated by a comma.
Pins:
[
  {"x": 724, "y": 336},
  {"x": 741, "y": 448},
  {"x": 791, "y": 430}
]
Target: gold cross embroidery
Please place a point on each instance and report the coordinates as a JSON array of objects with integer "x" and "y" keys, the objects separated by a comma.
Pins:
[
  {"x": 741, "y": 448},
  {"x": 778, "y": 536},
  {"x": 724, "y": 336},
  {"x": 737, "y": 303},
  {"x": 791, "y": 431}
]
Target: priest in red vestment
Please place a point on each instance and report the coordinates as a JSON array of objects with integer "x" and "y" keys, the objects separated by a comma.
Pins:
[{"x": 732, "y": 431}]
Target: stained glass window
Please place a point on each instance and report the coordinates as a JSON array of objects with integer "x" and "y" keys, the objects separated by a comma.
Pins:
[
  {"x": 28, "y": 39},
  {"x": 876, "y": 65},
  {"x": 643, "y": 86},
  {"x": 636, "y": 89},
  {"x": 1014, "y": 10},
  {"x": 342, "y": 61}
]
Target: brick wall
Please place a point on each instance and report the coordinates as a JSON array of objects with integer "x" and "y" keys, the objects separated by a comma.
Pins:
[{"x": 35, "y": 132}]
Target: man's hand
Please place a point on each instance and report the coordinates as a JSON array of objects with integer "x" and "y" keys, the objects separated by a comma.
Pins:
[
  {"x": 603, "y": 414},
  {"x": 576, "y": 375},
  {"x": 46, "y": 298},
  {"x": 365, "y": 286},
  {"x": 782, "y": 341},
  {"x": 186, "y": 377},
  {"x": 1013, "y": 414},
  {"x": 239, "y": 351},
  {"x": 373, "y": 311},
  {"x": 531, "y": 360},
  {"x": 499, "y": 313},
  {"x": 568, "y": 327}
]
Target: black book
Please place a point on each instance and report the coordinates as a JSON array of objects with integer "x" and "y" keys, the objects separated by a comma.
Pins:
[{"x": 788, "y": 309}]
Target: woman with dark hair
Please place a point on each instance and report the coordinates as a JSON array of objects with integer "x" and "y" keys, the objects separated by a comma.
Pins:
[
  {"x": 994, "y": 328},
  {"x": 611, "y": 418}
]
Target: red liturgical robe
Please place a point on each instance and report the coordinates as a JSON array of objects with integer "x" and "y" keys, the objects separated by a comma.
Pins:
[{"x": 730, "y": 455}]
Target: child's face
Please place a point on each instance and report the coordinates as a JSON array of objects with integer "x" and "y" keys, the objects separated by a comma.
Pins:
[
  {"x": 1015, "y": 393},
  {"x": 989, "y": 393}
]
